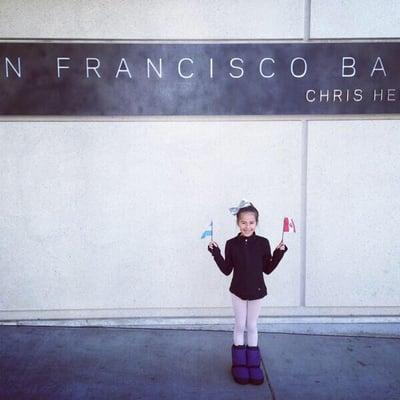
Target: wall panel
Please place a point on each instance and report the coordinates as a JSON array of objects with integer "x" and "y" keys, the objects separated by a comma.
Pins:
[
  {"x": 354, "y": 19},
  {"x": 109, "y": 214},
  {"x": 152, "y": 19},
  {"x": 353, "y": 214}
]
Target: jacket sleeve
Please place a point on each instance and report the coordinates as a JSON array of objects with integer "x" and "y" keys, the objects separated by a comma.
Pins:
[
  {"x": 225, "y": 265},
  {"x": 271, "y": 262}
]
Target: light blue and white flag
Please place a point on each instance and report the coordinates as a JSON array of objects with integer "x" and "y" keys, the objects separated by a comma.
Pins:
[{"x": 208, "y": 231}]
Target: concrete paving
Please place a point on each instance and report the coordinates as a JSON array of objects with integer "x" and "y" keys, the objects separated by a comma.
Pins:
[
  {"x": 332, "y": 367},
  {"x": 119, "y": 363}
]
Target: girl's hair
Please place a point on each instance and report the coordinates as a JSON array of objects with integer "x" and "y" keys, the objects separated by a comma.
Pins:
[{"x": 250, "y": 208}]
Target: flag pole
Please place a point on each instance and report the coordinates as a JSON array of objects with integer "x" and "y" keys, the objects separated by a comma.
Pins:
[{"x": 212, "y": 229}]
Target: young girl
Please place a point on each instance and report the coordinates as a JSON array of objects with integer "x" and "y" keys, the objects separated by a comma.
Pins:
[{"x": 249, "y": 256}]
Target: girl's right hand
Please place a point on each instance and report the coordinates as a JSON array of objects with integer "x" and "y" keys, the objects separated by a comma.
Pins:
[
  {"x": 281, "y": 246},
  {"x": 212, "y": 244}
]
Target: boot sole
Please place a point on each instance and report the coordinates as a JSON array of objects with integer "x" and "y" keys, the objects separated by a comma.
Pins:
[
  {"x": 238, "y": 380},
  {"x": 253, "y": 382}
]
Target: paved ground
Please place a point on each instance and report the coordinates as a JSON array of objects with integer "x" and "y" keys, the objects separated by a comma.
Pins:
[{"x": 113, "y": 363}]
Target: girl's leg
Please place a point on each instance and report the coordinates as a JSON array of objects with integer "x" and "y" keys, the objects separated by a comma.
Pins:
[
  {"x": 253, "y": 311},
  {"x": 240, "y": 310}
]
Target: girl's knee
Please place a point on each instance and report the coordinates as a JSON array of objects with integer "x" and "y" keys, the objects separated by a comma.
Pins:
[
  {"x": 240, "y": 326},
  {"x": 252, "y": 328}
]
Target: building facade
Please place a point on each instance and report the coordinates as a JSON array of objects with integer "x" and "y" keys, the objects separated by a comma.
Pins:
[{"x": 102, "y": 216}]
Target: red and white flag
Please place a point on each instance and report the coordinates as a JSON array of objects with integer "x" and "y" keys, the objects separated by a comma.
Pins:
[{"x": 288, "y": 225}]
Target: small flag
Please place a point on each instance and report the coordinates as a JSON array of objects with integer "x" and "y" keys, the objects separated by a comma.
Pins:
[
  {"x": 208, "y": 231},
  {"x": 288, "y": 225}
]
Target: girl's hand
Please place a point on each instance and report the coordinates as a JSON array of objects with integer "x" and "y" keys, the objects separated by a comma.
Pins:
[
  {"x": 281, "y": 246},
  {"x": 212, "y": 244}
]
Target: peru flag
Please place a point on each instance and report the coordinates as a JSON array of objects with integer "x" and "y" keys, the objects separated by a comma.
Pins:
[{"x": 288, "y": 225}]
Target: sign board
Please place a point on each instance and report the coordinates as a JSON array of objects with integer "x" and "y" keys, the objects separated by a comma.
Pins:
[{"x": 117, "y": 79}]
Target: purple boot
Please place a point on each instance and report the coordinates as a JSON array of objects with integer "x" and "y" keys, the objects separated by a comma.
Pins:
[
  {"x": 239, "y": 369},
  {"x": 253, "y": 363}
]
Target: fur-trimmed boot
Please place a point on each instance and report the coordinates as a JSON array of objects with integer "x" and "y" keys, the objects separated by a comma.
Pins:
[
  {"x": 239, "y": 369},
  {"x": 256, "y": 374}
]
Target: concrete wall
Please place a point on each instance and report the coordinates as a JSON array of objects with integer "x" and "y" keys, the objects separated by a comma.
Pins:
[
  {"x": 353, "y": 214},
  {"x": 101, "y": 217}
]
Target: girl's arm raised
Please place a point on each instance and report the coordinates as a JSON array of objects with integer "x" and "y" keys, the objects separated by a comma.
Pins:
[
  {"x": 271, "y": 262},
  {"x": 225, "y": 265}
]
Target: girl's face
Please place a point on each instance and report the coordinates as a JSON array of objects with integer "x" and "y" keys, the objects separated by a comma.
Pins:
[{"x": 247, "y": 223}]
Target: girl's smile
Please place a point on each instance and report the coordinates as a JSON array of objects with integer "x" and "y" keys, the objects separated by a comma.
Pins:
[{"x": 247, "y": 223}]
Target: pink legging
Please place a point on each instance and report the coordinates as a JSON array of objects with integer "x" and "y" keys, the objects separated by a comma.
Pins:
[{"x": 245, "y": 310}]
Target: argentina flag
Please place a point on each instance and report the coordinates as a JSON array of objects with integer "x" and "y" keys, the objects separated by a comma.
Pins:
[{"x": 208, "y": 231}]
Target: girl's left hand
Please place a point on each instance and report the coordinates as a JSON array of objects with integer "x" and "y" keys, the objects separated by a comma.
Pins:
[{"x": 281, "y": 246}]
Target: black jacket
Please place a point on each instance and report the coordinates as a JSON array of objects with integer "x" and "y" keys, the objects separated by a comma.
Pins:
[{"x": 248, "y": 257}]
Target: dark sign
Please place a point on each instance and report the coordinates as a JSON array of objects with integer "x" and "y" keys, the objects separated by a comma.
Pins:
[{"x": 199, "y": 79}]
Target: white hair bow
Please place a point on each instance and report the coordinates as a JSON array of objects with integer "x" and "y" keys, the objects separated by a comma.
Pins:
[{"x": 243, "y": 203}]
